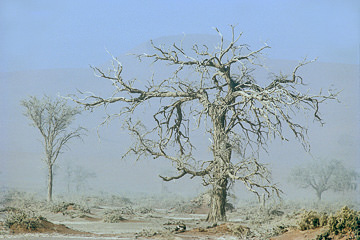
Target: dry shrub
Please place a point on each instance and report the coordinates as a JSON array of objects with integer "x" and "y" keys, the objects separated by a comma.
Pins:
[
  {"x": 344, "y": 221},
  {"x": 324, "y": 236},
  {"x": 144, "y": 210},
  {"x": 280, "y": 229},
  {"x": 312, "y": 219},
  {"x": 116, "y": 215},
  {"x": 126, "y": 210},
  {"x": 147, "y": 233},
  {"x": 113, "y": 216},
  {"x": 174, "y": 223},
  {"x": 239, "y": 230},
  {"x": 23, "y": 219},
  {"x": 22, "y": 200},
  {"x": 68, "y": 208},
  {"x": 26, "y": 221},
  {"x": 225, "y": 229}
]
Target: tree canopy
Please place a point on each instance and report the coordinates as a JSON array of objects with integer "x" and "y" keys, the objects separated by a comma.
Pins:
[
  {"x": 223, "y": 99},
  {"x": 52, "y": 117},
  {"x": 322, "y": 175}
]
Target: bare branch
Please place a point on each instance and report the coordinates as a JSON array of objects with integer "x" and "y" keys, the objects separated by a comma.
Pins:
[{"x": 222, "y": 99}]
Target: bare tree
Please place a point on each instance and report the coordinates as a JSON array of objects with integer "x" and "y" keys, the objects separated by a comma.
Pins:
[
  {"x": 77, "y": 177},
  {"x": 322, "y": 175},
  {"x": 220, "y": 98},
  {"x": 52, "y": 117}
]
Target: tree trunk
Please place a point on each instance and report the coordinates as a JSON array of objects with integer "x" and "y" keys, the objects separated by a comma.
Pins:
[
  {"x": 318, "y": 194},
  {"x": 222, "y": 155},
  {"x": 218, "y": 202},
  {"x": 50, "y": 183}
]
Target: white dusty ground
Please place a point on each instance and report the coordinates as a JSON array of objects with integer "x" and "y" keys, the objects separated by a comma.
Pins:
[
  {"x": 141, "y": 226},
  {"x": 245, "y": 222}
]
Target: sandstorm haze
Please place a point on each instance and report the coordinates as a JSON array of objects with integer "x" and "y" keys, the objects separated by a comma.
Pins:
[{"x": 46, "y": 48}]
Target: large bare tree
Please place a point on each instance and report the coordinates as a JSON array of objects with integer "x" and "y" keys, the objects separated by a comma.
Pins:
[
  {"x": 222, "y": 99},
  {"x": 52, "y": 117}
]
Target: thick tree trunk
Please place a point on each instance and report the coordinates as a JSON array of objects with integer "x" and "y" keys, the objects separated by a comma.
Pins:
[
  {"x": 222, "y": 157},
  {"x": 218, "y": 201},
  {"x": 50, "y": 183}
]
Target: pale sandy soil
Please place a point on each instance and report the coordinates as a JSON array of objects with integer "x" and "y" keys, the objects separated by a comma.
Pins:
[
  {"x": 246, "y": 222},
  {"x": 160, "y": 224}
]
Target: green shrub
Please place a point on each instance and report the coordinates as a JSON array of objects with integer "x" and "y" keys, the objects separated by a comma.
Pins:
[
  {"x": 312, "y": 219},
  {"x": 345, "y": 220},
  {"x": 324, "y": 236}
]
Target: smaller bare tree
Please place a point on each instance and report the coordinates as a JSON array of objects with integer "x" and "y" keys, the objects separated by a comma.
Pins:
[
  {"x": 321, "y": 176},
  {"x": 52, "y": 117},
  {"x": 78, "y": 177}
]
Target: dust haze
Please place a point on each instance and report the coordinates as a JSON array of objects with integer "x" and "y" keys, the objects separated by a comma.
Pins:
[
  {"x": 94, "y": 184},
  {"x": 100, "y": 151}
]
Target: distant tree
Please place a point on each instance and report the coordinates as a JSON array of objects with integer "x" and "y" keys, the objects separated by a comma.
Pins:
[
  {"x": 322, "y": 175},
  {"x": 52, "y": 117},
  {"x": 77, "y": 177},
  {"x": 213, "y": 91}
]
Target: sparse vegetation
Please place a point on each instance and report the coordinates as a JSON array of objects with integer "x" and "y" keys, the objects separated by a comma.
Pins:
[
  {"x": 251, "y": 220},
  {"x": 18, "y": 218},
  {"x": 52, "y": 117},
  {"x": 148, "y": 233},
  {"x": 279, "y": 229},
  {"x": 344, "y": 221},
  {"x": 63, "y": 207},
  {"x": 226, "y": 229},
  {"x": 113, "y": 216},
  {"x": 239, "y": 230},
  {"x": 322, "y": 176},
  {"x": 311, "y": 220},
  {"x": 144, "y": 210},
  {"x": 69, "y": 209}
]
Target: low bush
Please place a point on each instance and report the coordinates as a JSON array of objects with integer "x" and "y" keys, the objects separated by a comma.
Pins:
[
  {"x": 239, "y": 230},
  {"x": 144, "y": 210},
  {"x": 65, "y": 208},
  {"x": 23, "y": 219},
  {"x": 113, "y": 216},
  {"x": 147, "y": 233},
  {"x": 344, "y": 221},
  {"x": 311, "y": 220}
]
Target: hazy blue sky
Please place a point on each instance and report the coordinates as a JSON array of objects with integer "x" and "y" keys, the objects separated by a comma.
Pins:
[
  {"x": 62, "y": 34},
  {"x": 37, "y": 37}
]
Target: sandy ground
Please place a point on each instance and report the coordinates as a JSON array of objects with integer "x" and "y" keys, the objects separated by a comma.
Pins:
[
  {"x": 159, "y": 224},
  {"x": 165, "y": 223}
]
